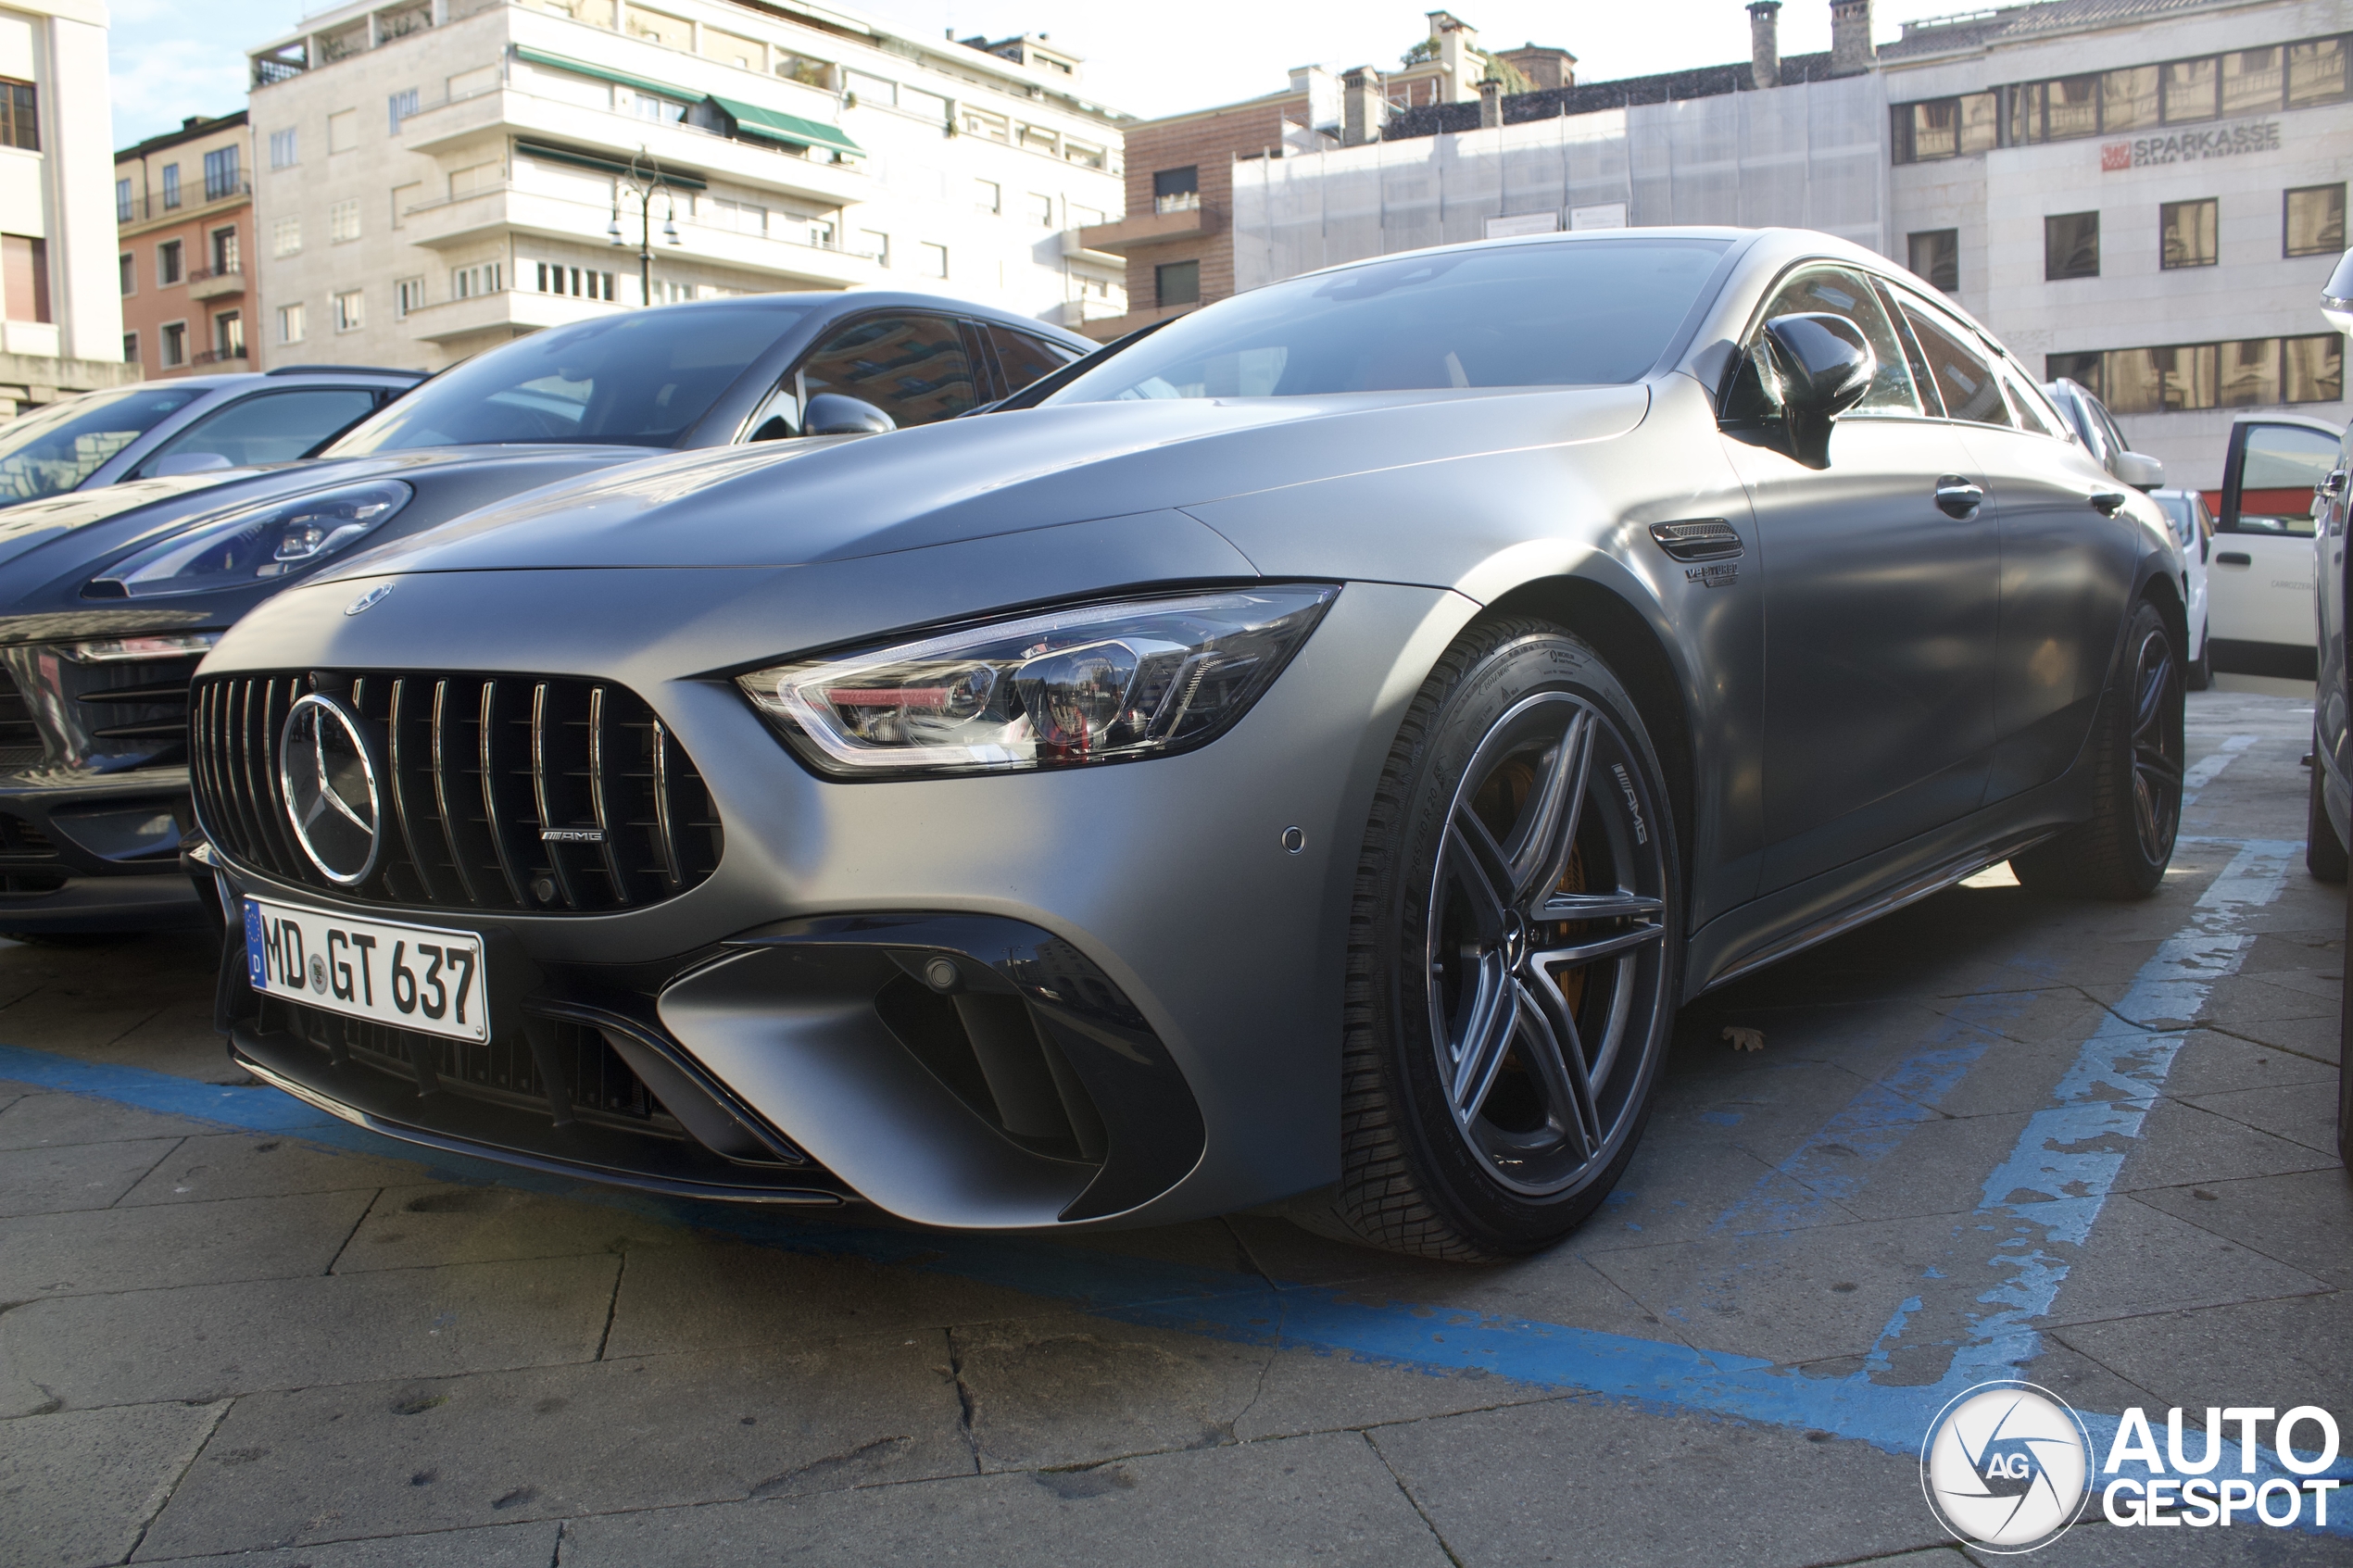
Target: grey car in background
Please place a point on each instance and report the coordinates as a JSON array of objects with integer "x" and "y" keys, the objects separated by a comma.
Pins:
[
  {"x": 109, "y": 595},
  {"x": 1313, "y": 749}
]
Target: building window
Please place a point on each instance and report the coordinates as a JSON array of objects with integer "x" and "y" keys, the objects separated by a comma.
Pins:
[
  {"x": 19, "y": 116},
  {"x": 577, "y": 281},
  {"x": 931, "y": 260},
  {"x": 1941, "y": 128},
  {"x": 467, "y": 281},
  {"x": 2071, "y": 245},
  {"x": 171, "y": 185},
  {"x": 131, "y": 349},
  {"x": 129, "y": 265},
  {"x": 343, "y": 131},
  {"x": 285, "y": 236},
  {"x": 222, "y": 178},
  {"x": 403, "y": 198},
  {"x": 988, "y": 197},
  {"x": 2313, "y": 370},
  {"x": 122, "y": 201},
  {"x": 1936, "y": 256},
  {"x": 342, "y": 222},
  {"x": 24, "y": 278},
  {"x": 2316, "y": 72},
  {"x": 2082, "y": 369},
  {"x": 1040, "y": 210},
  {"x": 175, "y": 344},
  {"x": 2186, "y": 232},
  {"x": 2314, "y": 220},
  {"x": 1177, "y": 190},
  {"x": 1177, "y": 283},
  {"x": 229, "y": 335},
  {"x": 2186, "y": 377},
  {"x": 289, "y": 324},
  {"x": 874, "y": 243},
  {"x": 2128, "y": 98},
  {"x": 224, "y": 251},
  {"x": 744, "y": 217},
  {"x": 286, "y": 149},
  {"x": 408, "y": 295},
  {"x": 168, "y": 267},
  {"x": 2190, "y": 89},
  {"x": 400, "y": 107},
  {"x": 351, "y": 311},
  {"x": 2251, "y": 81}
]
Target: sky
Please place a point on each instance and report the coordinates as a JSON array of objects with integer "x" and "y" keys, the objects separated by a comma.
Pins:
[{"x": 172, "y": 58}]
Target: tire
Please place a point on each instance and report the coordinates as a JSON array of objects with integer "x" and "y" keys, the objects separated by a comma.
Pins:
[
  {"x": 2323, "y": 851},
  {"x": 1551, "y": 1032},
  {"x": 2135, "y": 755},
  {"x": 2199, "y": 674}
]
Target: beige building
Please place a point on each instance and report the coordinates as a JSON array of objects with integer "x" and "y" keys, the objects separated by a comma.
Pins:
[
  {"x": 60, "y": 309},
  {"x": 433, "y": 177}
]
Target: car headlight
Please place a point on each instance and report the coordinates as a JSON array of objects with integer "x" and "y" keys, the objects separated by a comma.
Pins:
[
  {"x": 254, "y": 545},
  {"x": 1104, "y": 683}
]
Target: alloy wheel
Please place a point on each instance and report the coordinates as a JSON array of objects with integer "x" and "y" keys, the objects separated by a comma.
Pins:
[
  {"x": 2157, "y": 746},
  {"x": 1546, "y": 946}
]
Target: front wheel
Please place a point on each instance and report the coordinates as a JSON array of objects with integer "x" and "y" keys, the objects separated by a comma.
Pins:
[
  {"x": 1513, "y": 953},
  {"x": 2136, "y": 750}
]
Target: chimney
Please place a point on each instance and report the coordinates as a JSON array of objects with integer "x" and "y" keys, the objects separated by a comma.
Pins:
[
  {"x": 1457, "y": 44},
  {"x": 1765, "y": 41},
  {"x": 1491, "y": 104},
  {"x": 1851, "y": 50},
  {"x": 1322, "y": 92},
  {"x": 1363, "y": 106}
]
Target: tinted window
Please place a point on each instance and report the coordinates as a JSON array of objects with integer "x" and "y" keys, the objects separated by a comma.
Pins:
[
  {"x": 1838, "y": 292},
  {"x": 2282, "y": 465},
  {"x": 1964, "y": 380},
  {"x": 275, "y": 428},
  {"x": 1563, "y": 313},
  {"x": 2033, "y": 409},
  {"x": 58, "y": 448},
  {"x": 639, "y": 380},
  {"x": 1024, "y": 357},
  {"x": 912, "y": 367}
]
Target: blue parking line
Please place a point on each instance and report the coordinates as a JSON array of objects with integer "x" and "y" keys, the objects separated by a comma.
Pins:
[{"x": 1664, "y": 1377}]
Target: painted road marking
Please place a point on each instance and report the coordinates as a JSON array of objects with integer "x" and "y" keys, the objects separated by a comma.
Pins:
[{"x": 2204, "y": 771}]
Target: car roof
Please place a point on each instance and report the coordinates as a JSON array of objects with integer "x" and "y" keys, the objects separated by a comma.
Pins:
[{"x": 839, "y": 300}]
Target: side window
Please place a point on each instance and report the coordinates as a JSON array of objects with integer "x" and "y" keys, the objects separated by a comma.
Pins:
[
  {"x": 2034, "y": 410},
  {"x": 1967, "y": 384},
  {"x": 1838, "y": 292},
  {"x": 2281, "y": 466},
  {"x": 275, "y": 427},
  {"x": 1024, "y": 357},
  {"x": 912, "y": 366}
]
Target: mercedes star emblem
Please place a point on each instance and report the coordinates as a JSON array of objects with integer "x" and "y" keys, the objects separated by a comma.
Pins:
[{"x": 331, "y": 788}]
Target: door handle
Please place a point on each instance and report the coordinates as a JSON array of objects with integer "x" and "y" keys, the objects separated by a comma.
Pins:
[
  {"x": 2234, "y": 557},
  {"x": 2108, "y": 503},
  {"x": 1961, "y": 498}
]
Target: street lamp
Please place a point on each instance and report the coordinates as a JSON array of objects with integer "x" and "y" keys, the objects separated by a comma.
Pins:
[{"x": 642, "y": 186}]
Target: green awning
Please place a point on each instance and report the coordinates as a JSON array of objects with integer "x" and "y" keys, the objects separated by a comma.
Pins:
[
  {"x": 754, "y": 121},
  {"x": 604, "y": 73}
]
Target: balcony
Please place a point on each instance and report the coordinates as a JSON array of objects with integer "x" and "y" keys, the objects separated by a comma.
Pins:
[
  {"x": 1125, "y": 235},
  {"x": 216, "y": 285},
  {"x": 198, "y": 201},
  {"x": 512, "y": 309},
  {"x": 503, "y": 209},
  {"x": 1075, "y": 249},
  {"x": 234, "y": 356}
]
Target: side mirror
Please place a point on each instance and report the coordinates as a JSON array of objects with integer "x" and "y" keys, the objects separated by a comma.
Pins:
[
  {"x": 1825, "y": 366},
  {"x": 188, "y": 463},
  {"x": 2140, "y": 470},
  {"x": 830, "y": 413},
  {"x": 2336, "y": 299}
]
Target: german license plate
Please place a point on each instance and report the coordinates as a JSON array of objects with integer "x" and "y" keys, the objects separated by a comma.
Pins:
[{"x": 409, "y": 976}]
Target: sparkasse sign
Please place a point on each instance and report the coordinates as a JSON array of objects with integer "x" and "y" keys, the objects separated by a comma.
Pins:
[{"x": 2192, "y": 147}]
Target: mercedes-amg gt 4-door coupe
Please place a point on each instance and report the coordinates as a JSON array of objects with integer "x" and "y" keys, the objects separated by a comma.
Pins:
[{"x": 1305, "y": 754}]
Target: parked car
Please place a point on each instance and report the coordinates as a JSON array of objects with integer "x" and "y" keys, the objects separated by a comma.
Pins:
[
  {"x": 109, "y": 597},
  {"x": 1316, "y": 747},
  {"x": 2329, "y": 819},
  {"x": 194, "y": 424},
  {"x": 2193, "y": 530},
  {"x": 2262, "y": 584}
]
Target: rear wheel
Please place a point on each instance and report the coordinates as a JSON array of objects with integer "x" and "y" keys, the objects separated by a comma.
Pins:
[
  {"x": 2200, "y": 672},
  {"x": 1513, "y": 953},
  {"x": 2323, "y": 850},
  {"x": 2137, "y": 782}
]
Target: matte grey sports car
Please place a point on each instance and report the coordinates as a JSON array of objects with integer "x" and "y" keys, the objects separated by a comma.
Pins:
[{"x": 1310, "y": 750}]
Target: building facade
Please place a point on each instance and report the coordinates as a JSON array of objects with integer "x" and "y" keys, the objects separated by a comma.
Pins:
[
  {"x": 183, "y": 215},
  {"x": 437, "y": 176},
  {"x": 60, "y": 312}
]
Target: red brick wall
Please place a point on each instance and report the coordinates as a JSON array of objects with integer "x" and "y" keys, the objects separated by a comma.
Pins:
[{"x": 1210, "y": 143}]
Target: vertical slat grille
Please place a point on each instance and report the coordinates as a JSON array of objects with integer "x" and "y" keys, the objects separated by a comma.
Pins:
[{"x": 538, "y": 794}]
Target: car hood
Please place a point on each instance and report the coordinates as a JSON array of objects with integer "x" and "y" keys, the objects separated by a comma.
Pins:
[{"x": 802, "y": 502}]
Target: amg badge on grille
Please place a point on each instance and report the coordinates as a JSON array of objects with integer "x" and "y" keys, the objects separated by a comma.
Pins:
[{"x": 572, "y": 835}]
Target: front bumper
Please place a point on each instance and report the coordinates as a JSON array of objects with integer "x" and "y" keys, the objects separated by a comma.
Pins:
[{"x": 1145, "y": 921}]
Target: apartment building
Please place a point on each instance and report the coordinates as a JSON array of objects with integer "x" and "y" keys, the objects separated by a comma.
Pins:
[
  {"x": 61, "y": 315},
  {"x": 435, "y": 177},
  {"x": 183, "y": 219}
]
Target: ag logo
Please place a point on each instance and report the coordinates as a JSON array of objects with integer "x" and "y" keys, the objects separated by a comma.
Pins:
[{"x": 2007, "y": 1467}]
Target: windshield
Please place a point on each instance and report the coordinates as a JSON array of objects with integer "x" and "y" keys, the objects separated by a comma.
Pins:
[
  {"x": 51, "y": 451},
  {"x": 638, "y": 379},
  {"x": 1561, "y": 313}
]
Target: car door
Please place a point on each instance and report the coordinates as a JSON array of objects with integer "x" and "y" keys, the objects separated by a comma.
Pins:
[
  {"x": 268, "y": 427},
  {"x": 1880, "y": 608},
  {"x": 2259, "y": 585},
  {"x": 2067, "y": 557}
]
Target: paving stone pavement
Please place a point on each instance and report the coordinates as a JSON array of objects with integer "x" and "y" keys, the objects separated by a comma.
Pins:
[{"x": 281, "y": 1342}]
